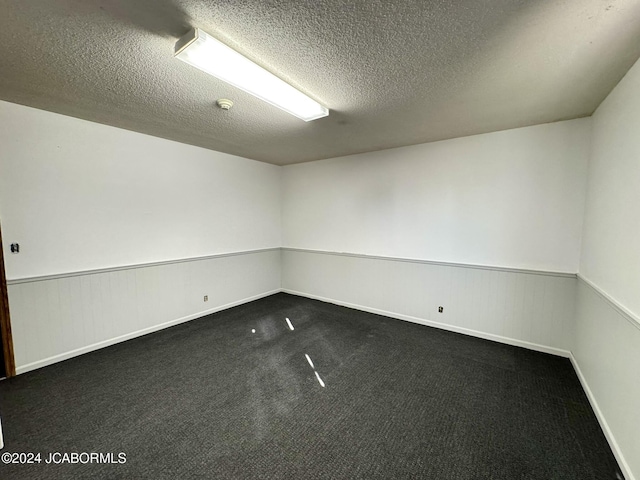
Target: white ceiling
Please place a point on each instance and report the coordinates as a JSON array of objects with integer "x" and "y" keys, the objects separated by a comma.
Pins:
[{"x": 392, "y": 72}]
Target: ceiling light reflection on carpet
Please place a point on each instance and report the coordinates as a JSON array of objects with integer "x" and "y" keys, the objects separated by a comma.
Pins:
[
  {"x": 201, "y": 50},
  {"x": 309, "y": 360}
]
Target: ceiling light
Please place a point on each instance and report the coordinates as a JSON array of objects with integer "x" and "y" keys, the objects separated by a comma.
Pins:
[{"x": 201, "y": 50}]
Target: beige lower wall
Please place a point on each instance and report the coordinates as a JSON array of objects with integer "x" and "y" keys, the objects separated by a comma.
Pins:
[
  {"x": 531, "y": 309},
  {"x": 607, "y": 354},
  {"x": 55, "y": 318}
]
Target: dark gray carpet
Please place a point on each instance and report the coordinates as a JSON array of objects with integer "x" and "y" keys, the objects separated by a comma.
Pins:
[{"x": 211, "y": 399}]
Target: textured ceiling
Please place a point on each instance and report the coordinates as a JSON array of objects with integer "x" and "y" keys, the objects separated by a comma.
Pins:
[{"x": 392, "y": 72}]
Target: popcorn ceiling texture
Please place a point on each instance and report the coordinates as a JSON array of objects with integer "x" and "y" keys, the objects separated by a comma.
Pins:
[{"x": 392, "y": 73}]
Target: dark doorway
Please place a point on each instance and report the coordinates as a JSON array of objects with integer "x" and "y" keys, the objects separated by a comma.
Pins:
[
  {"x": 7, "y": 365},
  {"x": 3, "y": 373}
]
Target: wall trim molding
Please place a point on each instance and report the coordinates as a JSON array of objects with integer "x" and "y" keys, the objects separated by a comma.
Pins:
[
  {"x": 622, "y": 463},
  {"x": 432, "y": 262},
  {"x": 627, "y": 314},
  {"x": 442, "y": 326},
  {"x": 42, "y": 278},
  {"x": 128, "y": 336}
]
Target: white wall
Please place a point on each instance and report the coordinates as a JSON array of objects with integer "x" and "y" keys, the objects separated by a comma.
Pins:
[
  {"x": 513, "y": 199},
  {"x": 611, "y": 251},
  {"x": 78, "y": 195},
  {"x": 418, "y": 220},
  {"x": 607, "y": 343}
]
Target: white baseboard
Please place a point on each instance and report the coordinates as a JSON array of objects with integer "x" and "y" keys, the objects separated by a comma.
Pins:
[
  {"x": 443, "y": 326},
  {"x": 112, "y": 341},
  {"x": 624, "y": 466}
]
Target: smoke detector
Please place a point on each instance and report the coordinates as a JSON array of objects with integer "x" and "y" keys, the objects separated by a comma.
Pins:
[{"x": 225, "y": 103}]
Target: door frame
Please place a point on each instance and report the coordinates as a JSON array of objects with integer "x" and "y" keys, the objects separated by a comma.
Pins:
[{"x": 5, "y": 320}]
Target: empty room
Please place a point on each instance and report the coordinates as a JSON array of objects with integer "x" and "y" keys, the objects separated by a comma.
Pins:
[{"x": 320, "y": 240}]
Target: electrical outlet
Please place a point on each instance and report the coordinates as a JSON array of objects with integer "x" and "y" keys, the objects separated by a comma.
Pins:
[
  {"x": 440, "y": 309},
  {"x": 206, "y": 298}
]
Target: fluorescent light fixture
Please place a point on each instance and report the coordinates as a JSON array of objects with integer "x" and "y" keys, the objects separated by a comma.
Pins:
[{"x": 201, "y": 50}]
